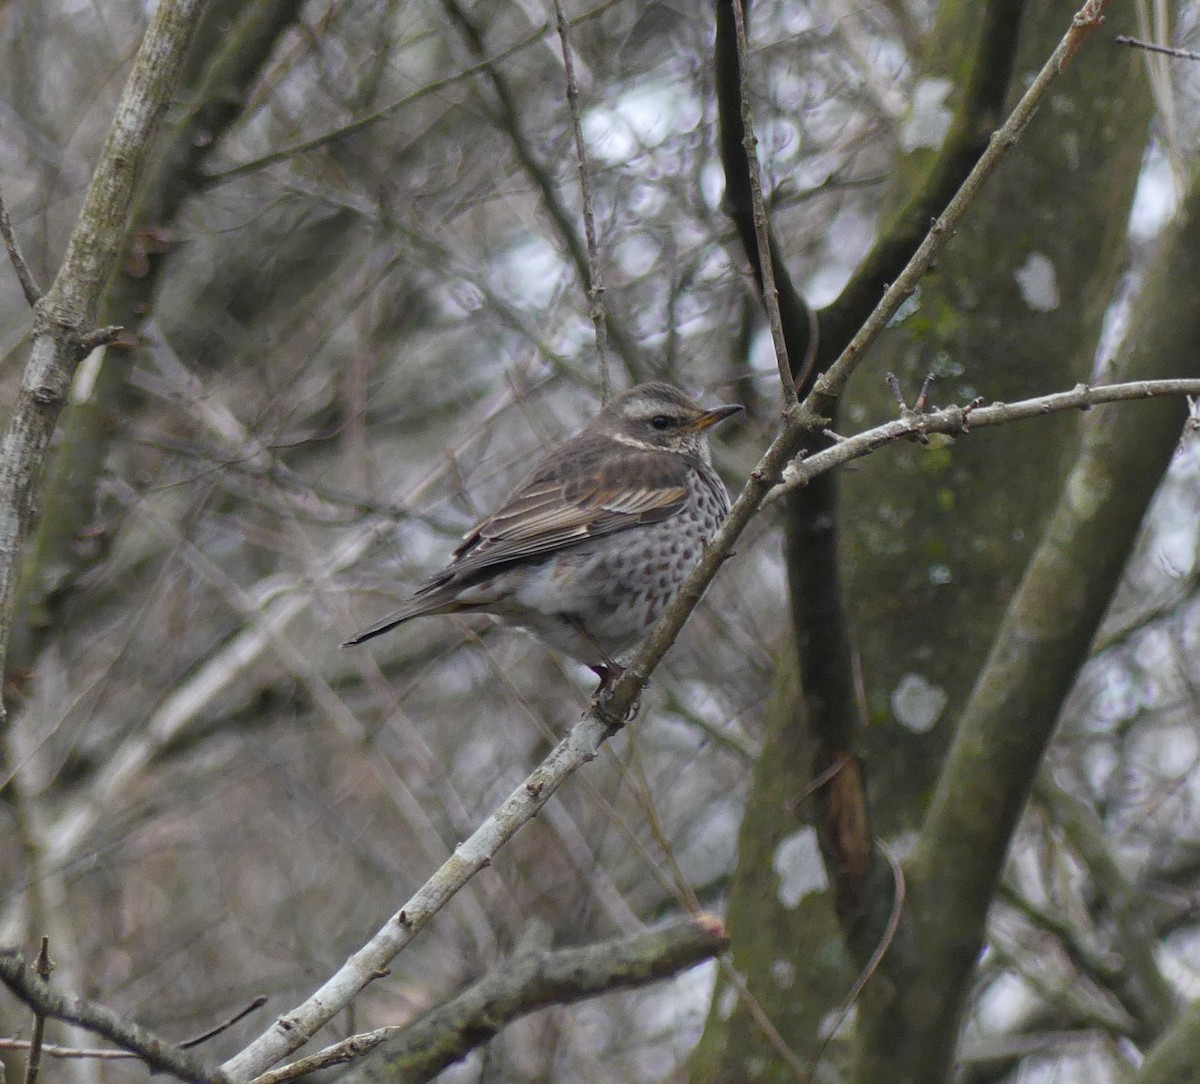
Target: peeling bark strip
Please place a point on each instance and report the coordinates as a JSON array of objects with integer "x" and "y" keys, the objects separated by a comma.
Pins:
[{"x": 64, "y": 318}]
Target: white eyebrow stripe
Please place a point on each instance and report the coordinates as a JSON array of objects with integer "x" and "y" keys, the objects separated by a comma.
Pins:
[{"x": 632, "y": 442}]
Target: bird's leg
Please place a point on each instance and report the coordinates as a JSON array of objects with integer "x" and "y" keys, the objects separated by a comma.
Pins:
[{"x": 608, "y": 672}]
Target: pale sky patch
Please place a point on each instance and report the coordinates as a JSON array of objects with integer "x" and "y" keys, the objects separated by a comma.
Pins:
[
  {"x": 930, "y": 118},
  {"x": 798, "y": 864}
]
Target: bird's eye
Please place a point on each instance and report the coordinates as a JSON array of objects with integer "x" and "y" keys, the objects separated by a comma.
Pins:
[{"x": 660, "y": 421}]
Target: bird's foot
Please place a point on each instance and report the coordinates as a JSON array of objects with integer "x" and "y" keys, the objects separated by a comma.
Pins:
[{"x": 609, "y": 672}]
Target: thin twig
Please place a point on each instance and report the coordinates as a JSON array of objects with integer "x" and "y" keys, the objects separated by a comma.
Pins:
[
  {"x": 761, "y": 230},
  {"x": 839, "y": 763},
  {"x": 51, "y": 1051},
  {"x": 960, "y": 419},
  {"x": 1166, "y": 50},
  {"x": 42, "y": 967},
  {"x": 213, "y": 1032},
  {"x": 105, "y": 1054},
  {"x": 763, "y": 1022},
  {"x": 872, "y": 965},
  {"x": 595, "y": 288},
  {"x": 29, "y": 286}
]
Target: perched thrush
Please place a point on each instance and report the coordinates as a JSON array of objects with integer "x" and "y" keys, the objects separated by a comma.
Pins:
[{"x": 593, "y": 545}]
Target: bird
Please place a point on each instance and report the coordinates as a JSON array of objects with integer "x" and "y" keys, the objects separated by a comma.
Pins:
[{"x": 590, "y": 549}]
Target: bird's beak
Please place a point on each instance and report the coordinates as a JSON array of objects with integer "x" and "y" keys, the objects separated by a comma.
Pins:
[{"x": 711, "y": 417}]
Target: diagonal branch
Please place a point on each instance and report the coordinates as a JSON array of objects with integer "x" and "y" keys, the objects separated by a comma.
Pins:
[
  {"x": 1149, "y": 46},
  {"x": 292, "y": 1030}
]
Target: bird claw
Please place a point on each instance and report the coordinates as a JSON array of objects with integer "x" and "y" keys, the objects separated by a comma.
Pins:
[
  {"x": 609, "y": 672},
  {"x": 599, "y": 706}
]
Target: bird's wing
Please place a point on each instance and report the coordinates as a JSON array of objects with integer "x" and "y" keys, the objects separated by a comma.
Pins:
[{"x": 561, "y": 506}]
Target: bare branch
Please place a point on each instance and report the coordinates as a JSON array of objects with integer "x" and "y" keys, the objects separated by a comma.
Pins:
[
  {"x": 29, "y": 286},
  {"x": 511, "y": 990},
  {"x": 595, "y": 286},
  {"x": 761, "y": 230},
  {"x": 155, "y": 1052},
  {"x": 63, "y": 318},
  {"x": 1166, "y": 50},
  {"x": 962, "y": 419},
  {"x": 51, "y": 1051}
]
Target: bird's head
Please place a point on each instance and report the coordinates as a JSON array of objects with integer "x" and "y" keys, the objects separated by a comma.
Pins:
[{"x": 660, "y": 417}]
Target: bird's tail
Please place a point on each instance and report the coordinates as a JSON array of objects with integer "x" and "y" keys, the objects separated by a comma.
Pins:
[{"x": 418, "y": 606}]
